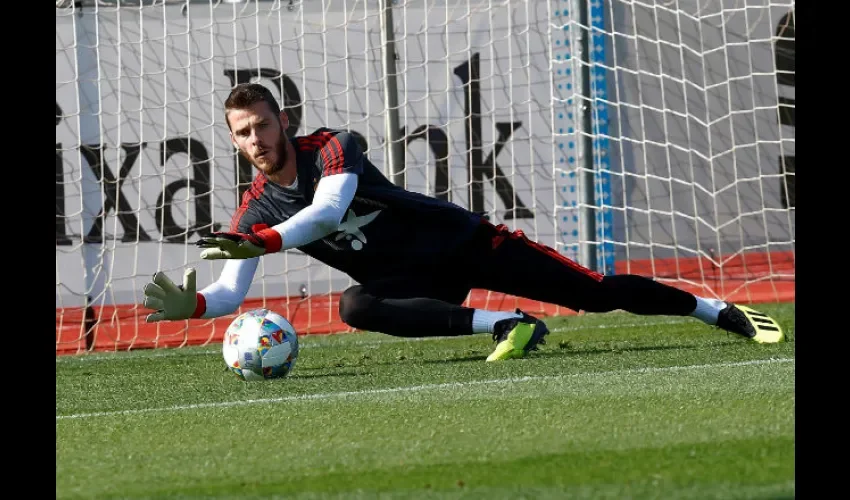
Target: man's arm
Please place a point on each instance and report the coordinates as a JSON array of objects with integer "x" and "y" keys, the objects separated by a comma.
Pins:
[
  {"x": 340, "y": 160},
  {"x": 224, "y": 296},
  {"x": 322, "y": 217}
]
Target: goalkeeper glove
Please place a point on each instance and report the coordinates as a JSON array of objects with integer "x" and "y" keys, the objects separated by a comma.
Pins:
[
  {"x": 170, "y": 301},
  {"x": 232, "y": 245}
]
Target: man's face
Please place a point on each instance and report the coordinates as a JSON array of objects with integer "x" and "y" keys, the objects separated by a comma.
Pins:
[{"x": 259, "y": 135}]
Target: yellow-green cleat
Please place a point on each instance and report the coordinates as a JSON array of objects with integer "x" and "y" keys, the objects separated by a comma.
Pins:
[
  {"x": 754, "y": 325},
  {"x": 517, "y": 336}
]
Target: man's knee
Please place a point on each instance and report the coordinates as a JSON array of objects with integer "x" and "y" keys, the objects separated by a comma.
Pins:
[{"x": 354, "y": 305}]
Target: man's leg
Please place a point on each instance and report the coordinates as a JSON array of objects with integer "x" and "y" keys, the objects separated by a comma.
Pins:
[
  {"x": 407, "y": 307},
  {"x": 515, "y": 265},
  {"x": 426, "y": 306}
]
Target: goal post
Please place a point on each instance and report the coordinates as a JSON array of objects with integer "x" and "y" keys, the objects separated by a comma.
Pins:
[{"x": 652, "y": 137}]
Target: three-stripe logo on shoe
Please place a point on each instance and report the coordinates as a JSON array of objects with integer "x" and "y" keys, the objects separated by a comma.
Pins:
[
  {"x": 762, "y": 321},
  {"x": 767, "y": 330}
]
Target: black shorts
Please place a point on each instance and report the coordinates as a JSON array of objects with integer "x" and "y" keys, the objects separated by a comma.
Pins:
[{"x": 498, "y": 260}]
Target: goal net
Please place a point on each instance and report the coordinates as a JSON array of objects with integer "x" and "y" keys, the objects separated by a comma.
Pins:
[{"x": 652, "y": 137}]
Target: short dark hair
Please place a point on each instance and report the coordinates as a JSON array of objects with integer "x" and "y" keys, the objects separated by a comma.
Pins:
[{"x": 245, "y": 95}]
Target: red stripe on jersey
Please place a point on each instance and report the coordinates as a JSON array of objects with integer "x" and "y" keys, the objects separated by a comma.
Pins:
[
  {"x": 503, "y": 232},
  {"x": 313, "y": 141},
  {"x": 330, "y": 149},
  {"x": 252, "y": 193},
  {"x": 336, "y": 165},
  {"x": 326, "y": 157},
  {"x": 309, "y": 143}
]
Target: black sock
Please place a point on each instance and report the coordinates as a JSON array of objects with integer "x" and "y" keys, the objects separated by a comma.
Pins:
[{"x": 641, "y": 295}]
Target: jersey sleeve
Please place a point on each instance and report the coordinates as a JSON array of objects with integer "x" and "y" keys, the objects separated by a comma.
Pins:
[{"x": 340, "y": 154}]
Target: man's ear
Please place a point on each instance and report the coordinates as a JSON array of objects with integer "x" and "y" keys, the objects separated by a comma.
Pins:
[
  {"x": 232, "y": 141},
  {"x": 284, "y": 120}
]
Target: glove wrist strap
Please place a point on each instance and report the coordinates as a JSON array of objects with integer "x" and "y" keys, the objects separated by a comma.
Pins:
[
  {"x": 272, "y": 240},
  {"x": 200, "y": 307}
]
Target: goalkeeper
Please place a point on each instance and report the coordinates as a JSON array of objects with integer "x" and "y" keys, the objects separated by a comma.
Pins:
[{"x": 415, "y": 258}]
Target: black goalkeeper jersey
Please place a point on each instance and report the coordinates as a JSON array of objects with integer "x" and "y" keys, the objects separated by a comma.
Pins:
[{"x": 386, "y": 230}]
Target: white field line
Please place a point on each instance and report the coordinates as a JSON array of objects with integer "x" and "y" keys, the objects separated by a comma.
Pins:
[
  {"x": 427, "y": 387},
  {"x": 166, "y": 353}
]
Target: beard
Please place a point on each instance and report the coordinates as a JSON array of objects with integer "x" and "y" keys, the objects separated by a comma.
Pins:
[{"x": 281, "y": 153}]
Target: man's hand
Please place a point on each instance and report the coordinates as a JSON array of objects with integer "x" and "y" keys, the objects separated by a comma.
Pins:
[
  {"x": 231, "y": 245},
  {"x": 170, "y": 301}
]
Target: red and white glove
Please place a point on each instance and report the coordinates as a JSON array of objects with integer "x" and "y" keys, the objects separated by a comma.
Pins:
[{"x": 232, "y": 245}]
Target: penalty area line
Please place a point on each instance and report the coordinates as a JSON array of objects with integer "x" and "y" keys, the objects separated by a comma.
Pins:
[{"x": 420, "y": 388}]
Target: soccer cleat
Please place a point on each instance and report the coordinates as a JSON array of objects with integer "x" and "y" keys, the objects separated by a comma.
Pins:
[
  {"x": 517, "y": 336},
  {"x": 749, "y": 323}
]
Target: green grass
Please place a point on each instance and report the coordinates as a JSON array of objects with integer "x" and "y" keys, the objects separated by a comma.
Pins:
[{"x": 614, "y": 406}]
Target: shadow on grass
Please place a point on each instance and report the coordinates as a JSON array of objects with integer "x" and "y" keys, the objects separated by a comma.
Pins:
[
  {"x": 548, "y": 351},
  {"x": 555, "y": 351}
]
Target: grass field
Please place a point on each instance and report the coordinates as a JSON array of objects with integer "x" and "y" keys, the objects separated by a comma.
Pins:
[{"x": 614, "y": 406}]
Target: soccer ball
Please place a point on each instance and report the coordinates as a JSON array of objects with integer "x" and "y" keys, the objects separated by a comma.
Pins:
[{"x": 260, "y": 344}]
